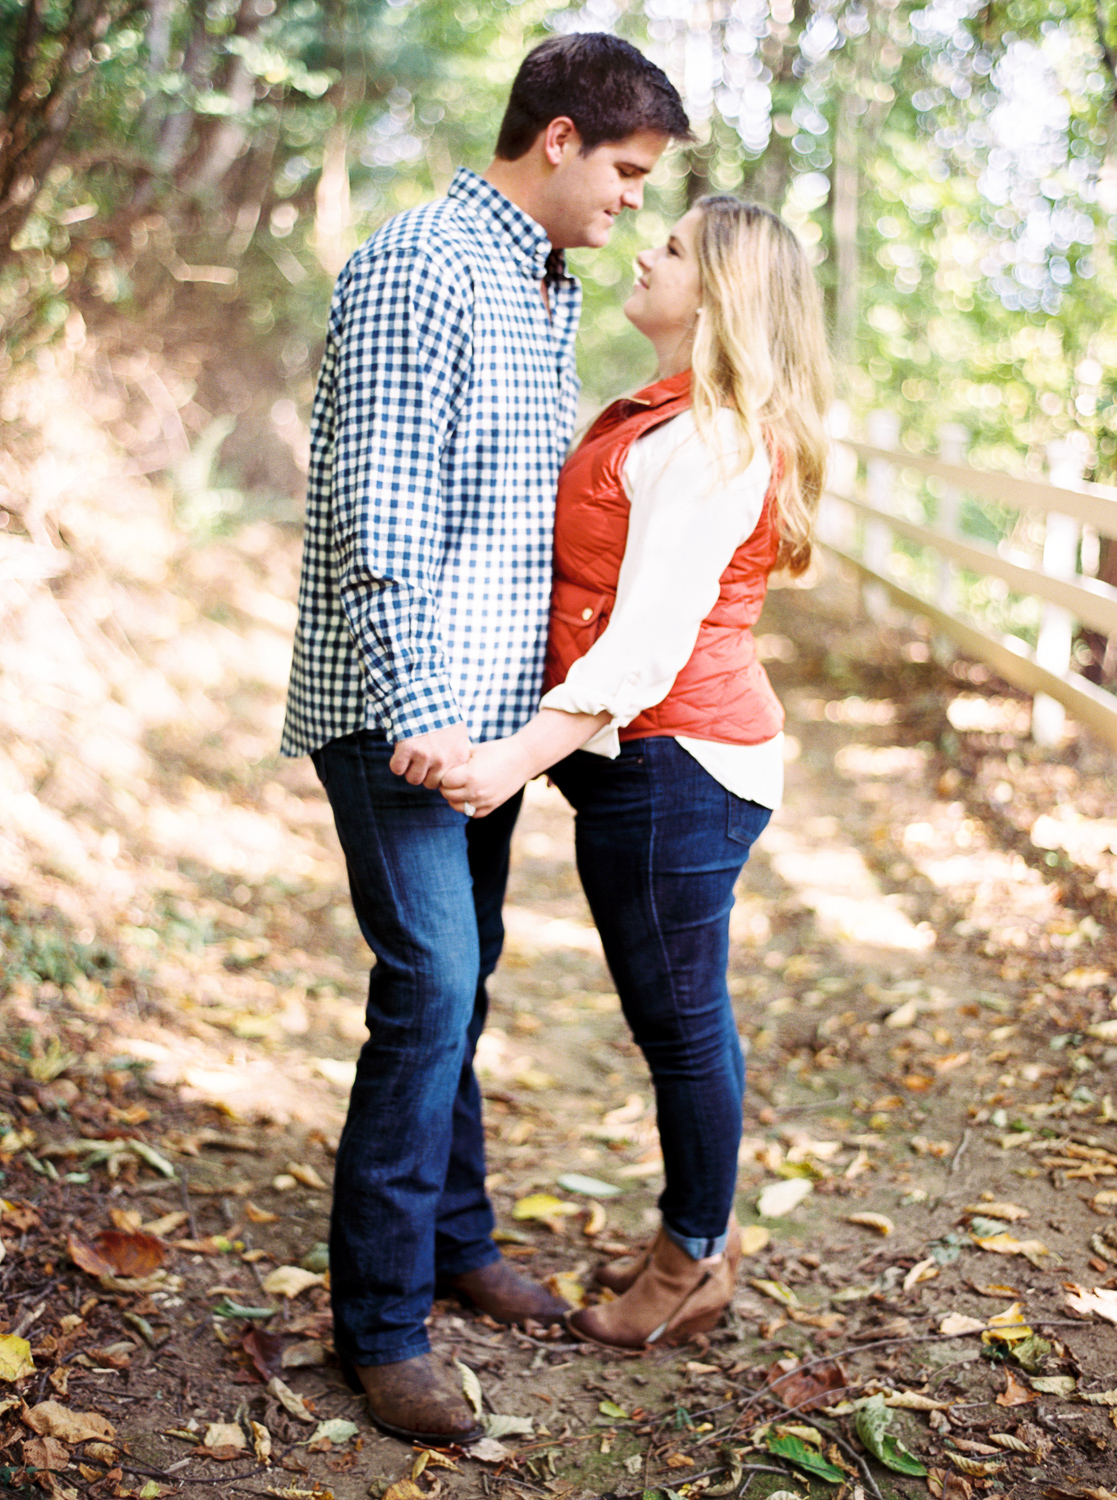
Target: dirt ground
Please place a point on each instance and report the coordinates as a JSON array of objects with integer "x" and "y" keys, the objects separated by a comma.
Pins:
[{"x": 925, "y": 972}]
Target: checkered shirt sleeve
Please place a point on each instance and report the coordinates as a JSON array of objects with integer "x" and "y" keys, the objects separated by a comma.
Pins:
[{"x": 444, "y": 406}]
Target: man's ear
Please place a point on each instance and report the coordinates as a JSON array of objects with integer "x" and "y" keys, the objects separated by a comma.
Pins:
[{"x": 560, "y": 136}]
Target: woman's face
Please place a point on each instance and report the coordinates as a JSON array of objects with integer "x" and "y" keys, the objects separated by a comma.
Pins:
[{"x": 664, "y": 302}]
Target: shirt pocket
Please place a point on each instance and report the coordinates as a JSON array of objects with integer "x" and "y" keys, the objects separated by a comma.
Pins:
[{"x": 581, "y": 613}]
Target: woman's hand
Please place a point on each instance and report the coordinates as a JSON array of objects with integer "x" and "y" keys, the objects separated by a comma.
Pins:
[{"x": 494, "y": 772}]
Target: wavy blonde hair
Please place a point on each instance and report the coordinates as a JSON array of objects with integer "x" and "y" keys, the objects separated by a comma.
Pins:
[{"x": 760, "y": 349}]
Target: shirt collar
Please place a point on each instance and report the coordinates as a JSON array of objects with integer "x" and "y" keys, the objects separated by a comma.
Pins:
[
  {"x": 527, "y": 241},
  {"x": 662, "y": 391}
]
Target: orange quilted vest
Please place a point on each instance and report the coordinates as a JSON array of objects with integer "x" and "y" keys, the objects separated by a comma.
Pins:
[{"x": 723, "y": 692}]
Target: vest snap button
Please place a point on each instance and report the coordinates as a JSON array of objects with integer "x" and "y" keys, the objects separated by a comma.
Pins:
[{"x": 587, "y": 613}]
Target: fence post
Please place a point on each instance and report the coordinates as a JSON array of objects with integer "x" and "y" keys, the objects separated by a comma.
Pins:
[
  {"x": 884, "y": 432},
  {"x": 1060, "y": 558},
  {"x": 953, "y": 442}
]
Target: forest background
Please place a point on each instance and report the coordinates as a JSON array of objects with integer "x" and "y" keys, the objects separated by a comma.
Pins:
[{"x": 953, "y": 166}]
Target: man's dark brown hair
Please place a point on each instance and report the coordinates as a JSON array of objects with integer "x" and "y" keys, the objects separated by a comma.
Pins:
[{"x": 608, "y": 88}]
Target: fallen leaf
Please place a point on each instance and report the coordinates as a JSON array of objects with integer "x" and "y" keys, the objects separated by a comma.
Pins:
[
  {"x": 544, "y": 1207},
  {"x": 957, "y": 1323},
  {"x": 924, "y": 1270},
  {"x": 880, "y": 1222},
  {"x": 499, "y": 1425},
  {"x": 612, "y": 1410},
  {"x": 261, "y": 1441},
  {"x": 289, "y": 1281},
  {"x": 45, "y": 1453},
  {"x": 806, "y": 1390},
  {"x": 566, "y": 1285},
  {"x": 976, "y": 1468},
  {"x": 1102, "y": 1300},
  {"x": 51, "y": 1419},
  {"x": 592, "y": 1187},
  {"x": 290, "y": 1401},
  {"x": 334, "y": 1430},
  {"x": 256, "y": 1215},
  {"x": 1015, "y": 1392},
  {"x": 754, "y": 1238},
  {"x": 15, "y": 1357},
  {"x": 1008, "y": 1327},
  {"x": 780, "y": 1198},
  {"x": 1009, "y": 1211},
  {"x": 303, "y": 1172},
  {"x": 871, "y": 1423},
  {"x": 1098, "y": 1398},
  {"x": 679, "y": 1461},
  {"x": 1053, "y": 1385},
  {"x": 114, "y": 1252},
  {"x": 489, "y": 1451},
  {"x": 265, "y": 1351},
  {"x": 596, "y": 1220},
  {"x": 224, "y": 1435},
  {"x": 915, "y": 1401},
  {"x": 304, "y": 1354},
  {"x": 776, "y": 1290},
  {"x": 799, "y": 1453},
  {"x": 1006, "y": 1244},
  {"x": 471, "y": 1387},
  {"x": 402, "y": 1489}
]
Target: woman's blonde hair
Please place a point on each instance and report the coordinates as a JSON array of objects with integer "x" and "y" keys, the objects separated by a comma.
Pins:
[{"x": 760, "y": 349}]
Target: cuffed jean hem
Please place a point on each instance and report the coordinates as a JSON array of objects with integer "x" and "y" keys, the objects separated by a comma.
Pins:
[{"x": 697, "y": 1249}]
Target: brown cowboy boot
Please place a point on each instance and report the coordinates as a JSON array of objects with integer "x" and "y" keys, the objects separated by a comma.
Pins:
[
  {"x": 502, "y": 1292},
  {"x": 670, "y": 1301},
  {"x": 419, "y": 1400}
]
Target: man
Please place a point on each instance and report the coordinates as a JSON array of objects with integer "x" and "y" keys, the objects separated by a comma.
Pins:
[{"x": 445, "y": 403}]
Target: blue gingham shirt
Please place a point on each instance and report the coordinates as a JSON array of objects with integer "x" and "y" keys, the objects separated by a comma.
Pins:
[{"x": 445, "y": 404}]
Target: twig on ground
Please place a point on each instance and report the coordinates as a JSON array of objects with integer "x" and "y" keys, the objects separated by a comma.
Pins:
[{"x": 957, "y": 1157}]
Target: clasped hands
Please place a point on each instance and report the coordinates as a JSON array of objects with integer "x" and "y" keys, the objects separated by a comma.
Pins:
[{"x": 478, "y": 776}]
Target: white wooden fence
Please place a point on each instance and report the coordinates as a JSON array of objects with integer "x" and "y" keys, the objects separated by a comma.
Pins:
[{"x": 874, "y": 500}]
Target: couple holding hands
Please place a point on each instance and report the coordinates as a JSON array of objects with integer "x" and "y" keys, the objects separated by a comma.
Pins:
[{"x": 462, "y": 630}]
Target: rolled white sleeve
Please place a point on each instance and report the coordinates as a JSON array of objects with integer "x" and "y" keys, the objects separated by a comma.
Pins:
[{"x": 689, "y": 514}]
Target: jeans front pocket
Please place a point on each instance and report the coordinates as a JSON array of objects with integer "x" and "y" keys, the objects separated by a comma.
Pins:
[{"x": 746, "y": 820}]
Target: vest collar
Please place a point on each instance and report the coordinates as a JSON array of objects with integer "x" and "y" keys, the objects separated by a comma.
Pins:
[{"x": 662, "y": 391}]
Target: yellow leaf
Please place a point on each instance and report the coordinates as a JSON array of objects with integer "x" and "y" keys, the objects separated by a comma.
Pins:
[
  {"x": 777, "y": 1291},
  {"x": 15, "y": 1357},
  {"x": 1007, "y": 1244},
  {"x": 303, "y": 1172},
  {"x": 754, "y": 1238},
  {"x": 544, "y": 1206},
  {"x": 289, "y": 1281},
  {"x": 596, "y": 1220},
  {"x": 1009, "y": 1211},
  {"x": 1007, "y": 1327},
  {"x": 566, "y": 1285},
  {"x": 880, "y": 1222}
]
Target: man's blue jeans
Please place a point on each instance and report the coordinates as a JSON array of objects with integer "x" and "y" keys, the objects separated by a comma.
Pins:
[
  {"x": 660, "y": 845},
  {"x": 409, "y": 1187}
]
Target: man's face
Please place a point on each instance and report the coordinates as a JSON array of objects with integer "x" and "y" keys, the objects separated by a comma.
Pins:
[{"x": 589, "y": 191}]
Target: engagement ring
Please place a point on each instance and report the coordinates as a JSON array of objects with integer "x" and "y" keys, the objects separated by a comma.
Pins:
[{"x": 469, "y": 809}]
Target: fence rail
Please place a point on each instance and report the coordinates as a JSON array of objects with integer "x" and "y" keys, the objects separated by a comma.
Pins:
[{"x": 875, "y": 502}]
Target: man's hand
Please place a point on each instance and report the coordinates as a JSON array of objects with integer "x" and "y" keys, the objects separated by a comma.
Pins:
[
  {"x": 496, "y": 771},
  {"x": 425, "y": 758}
]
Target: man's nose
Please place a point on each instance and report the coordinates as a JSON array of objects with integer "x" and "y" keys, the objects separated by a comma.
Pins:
[{"x": 633, "y": 195}]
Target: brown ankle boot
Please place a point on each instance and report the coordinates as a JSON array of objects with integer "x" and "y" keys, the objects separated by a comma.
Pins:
[
  {"x": 671, "y": 1300},
  {"x": 619, "y": 1275}
]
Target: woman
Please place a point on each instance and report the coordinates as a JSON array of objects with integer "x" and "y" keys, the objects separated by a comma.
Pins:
[{"x": 659, "y": 724}]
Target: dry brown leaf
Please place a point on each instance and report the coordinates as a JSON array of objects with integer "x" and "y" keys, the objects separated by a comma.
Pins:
[
  {"x": 880, "y": 1222},
  {"x": 290, "y": 1401},
  {"x": 45, "y": 1453},
  {"x": 915, "y": 1401},
  {"x": 679, "y": 1461},
  {"x": 807, "y": 1390},
  {"x": 1015, "y": 1393},
  {"x": 115, "y": 1252},
  {"x": 404, "y": 1489},
  {"x": 51, "y": 1419},
  {"x": 261, "y": 1441},
  {"x": 1098, "y": 1398},
  {"x": 1102, "y": 1300},
  {"x": 1010, "y": 1441},
  {"x": 256, "y": 1215},
  {"x": 974, "y": 1467}
]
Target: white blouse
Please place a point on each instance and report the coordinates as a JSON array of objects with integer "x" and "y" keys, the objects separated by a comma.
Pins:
[{"x": 687, "y": 520}]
